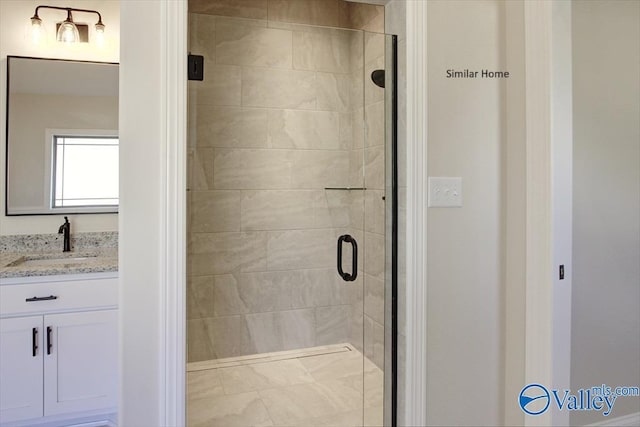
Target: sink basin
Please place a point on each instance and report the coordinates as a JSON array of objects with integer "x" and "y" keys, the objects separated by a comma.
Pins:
[{"x": 39, "y": 261}]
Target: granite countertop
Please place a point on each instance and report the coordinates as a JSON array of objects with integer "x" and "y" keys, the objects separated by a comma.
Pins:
[{"x": 12, "y": 264}]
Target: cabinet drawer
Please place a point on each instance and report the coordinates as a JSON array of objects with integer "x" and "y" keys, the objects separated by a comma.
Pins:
[{"x": 35, "y": 298}]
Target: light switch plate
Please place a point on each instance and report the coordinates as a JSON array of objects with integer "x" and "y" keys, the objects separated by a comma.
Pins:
[{"x": 445, "y": 192}]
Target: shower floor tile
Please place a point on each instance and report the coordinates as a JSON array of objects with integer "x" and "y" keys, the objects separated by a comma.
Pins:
[{"x": 319, "y": 386}]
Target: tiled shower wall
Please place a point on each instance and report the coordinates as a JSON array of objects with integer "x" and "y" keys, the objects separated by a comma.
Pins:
[
  {"x": 272, "y": 124},
  {"x": 329, "y": 13}
]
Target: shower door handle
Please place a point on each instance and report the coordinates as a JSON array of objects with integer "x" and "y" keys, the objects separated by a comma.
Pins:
[{"x": 354, "y": 266}]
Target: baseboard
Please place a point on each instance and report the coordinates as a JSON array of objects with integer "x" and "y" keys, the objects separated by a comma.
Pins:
[
  {"x": 631, "y": 420},
  {"x": 104, "y": 423},
  {"x": 82, "y": 419}
]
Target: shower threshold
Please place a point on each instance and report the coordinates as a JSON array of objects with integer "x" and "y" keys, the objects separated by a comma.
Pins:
[
  {"x": 269, "y": 357},
  {"x": 331, "y": 385}
]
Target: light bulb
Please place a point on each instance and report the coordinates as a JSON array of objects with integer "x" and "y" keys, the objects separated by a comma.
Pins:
[
  {"x": 68, "y": 32},
  {"x": 100, "y": 33},
  {"x": 36, "y": 29}
]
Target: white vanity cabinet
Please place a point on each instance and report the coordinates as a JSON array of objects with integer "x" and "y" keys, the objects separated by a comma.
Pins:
[
  {"x": 58, "y": 351},
  {"x": 21, "y": 368}
]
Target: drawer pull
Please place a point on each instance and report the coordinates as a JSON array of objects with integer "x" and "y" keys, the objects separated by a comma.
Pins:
[{"x": 34, "y": 299}]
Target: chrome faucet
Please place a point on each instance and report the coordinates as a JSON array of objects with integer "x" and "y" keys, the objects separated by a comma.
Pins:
[{"x": 66, "y": 229}]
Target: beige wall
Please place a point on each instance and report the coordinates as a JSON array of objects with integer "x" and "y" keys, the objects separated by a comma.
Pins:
[
  {"x": 270, "y": 129},
  {"x": 465, "y": 134},
  {"x": 514, "y": 214},
  {"x": 605, "y": 343},
  {"x": 15, "y": 39}
]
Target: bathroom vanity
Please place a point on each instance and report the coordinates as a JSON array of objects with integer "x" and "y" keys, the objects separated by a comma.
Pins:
[
  {"x": 59, "y": 291},
  {"x": 58, "y": 338}
]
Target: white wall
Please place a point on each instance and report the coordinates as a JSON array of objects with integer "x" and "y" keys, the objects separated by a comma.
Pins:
[
  {"x": 15, "y": 39},
  {"x": 465, "y": 132},
  {"x": 605, "y": 343}
]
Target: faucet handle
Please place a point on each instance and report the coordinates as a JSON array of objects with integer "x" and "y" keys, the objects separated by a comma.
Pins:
[{"x": 64, "y": 226}]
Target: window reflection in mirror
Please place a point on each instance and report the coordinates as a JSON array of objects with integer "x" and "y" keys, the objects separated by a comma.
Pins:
[
  {"x": 62, "y": 137},
  {"x": 85, "y": 171}
]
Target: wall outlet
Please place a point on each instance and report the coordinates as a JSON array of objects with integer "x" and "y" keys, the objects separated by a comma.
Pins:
[{"x": 445, "y": 192}]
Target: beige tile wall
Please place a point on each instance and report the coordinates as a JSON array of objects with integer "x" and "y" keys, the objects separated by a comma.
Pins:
[
  {"x": 272, "y": 124},
  {"x": 330, "y": 13}
]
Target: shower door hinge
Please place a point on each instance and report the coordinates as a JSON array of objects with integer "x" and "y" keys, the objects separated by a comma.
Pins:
[{"x": 195, "y": 67}]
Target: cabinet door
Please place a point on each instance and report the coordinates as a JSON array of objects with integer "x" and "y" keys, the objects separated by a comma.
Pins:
[
  {"x": 20, "y": 368},
  {"x": 80, "y": 361}
]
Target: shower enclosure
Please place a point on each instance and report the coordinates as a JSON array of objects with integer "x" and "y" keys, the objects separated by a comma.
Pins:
[{"x": 290, "y": 208}]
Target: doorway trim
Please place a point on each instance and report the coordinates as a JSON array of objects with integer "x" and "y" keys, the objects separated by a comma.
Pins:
[
  {"x": 172, "y": 316},
  {"x": 415, "y": 372},
  {"x": 174, "y": 16}
]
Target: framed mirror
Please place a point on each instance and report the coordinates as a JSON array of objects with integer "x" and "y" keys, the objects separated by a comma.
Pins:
[{"x": 62, "y": 137}]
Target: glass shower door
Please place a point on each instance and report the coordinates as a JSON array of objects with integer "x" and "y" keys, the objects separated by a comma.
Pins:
[{"x": 286, "y": 185}]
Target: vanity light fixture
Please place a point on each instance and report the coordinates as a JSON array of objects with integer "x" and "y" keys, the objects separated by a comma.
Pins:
[{"x": 68, "y": 30}]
